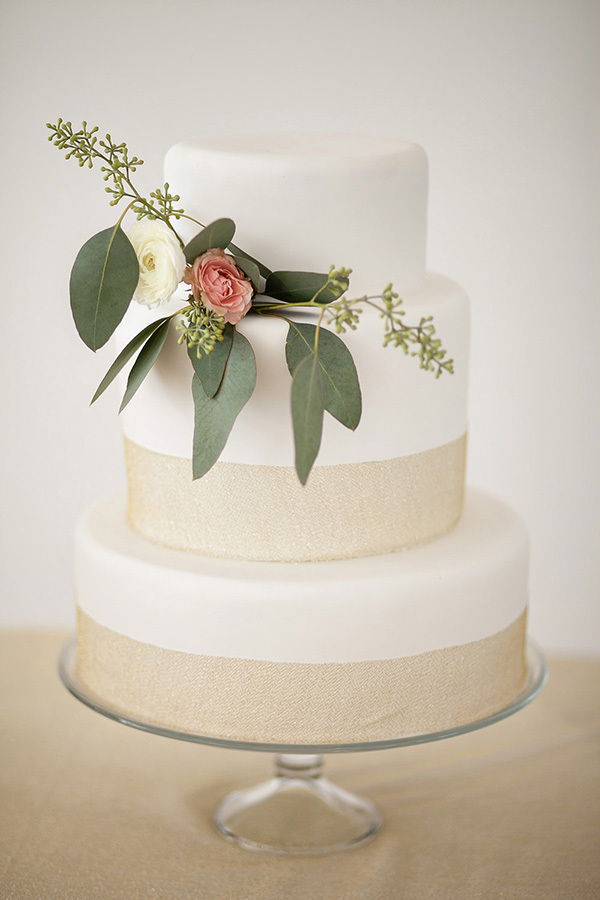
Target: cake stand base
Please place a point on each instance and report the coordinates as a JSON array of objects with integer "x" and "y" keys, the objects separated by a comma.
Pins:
[{"x": 297, "y": 813}]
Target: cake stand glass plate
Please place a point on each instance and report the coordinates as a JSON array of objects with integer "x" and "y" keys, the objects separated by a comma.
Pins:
[{"x": 300, "y": 812}]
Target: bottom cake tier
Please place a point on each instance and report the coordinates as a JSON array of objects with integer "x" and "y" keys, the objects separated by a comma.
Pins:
[{"x": 333, "y": 652}]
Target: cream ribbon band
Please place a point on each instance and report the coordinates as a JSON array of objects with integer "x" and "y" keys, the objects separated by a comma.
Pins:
[
  {"x": 264, "y": 513},
  {"x": 256, "y": 700}
]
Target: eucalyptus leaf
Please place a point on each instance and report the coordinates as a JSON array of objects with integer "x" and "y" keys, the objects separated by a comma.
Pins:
[
  {"x": 307, "y": 413},
  {"x": 264, "y": 270},
  {"x": 146, "y": 359},
  {"x": 298, "y": 287},
  {"x": 250, "y": 270},
  {"x": 103, "y": 280},
  {"x": 215, "y": 416},
  {"x": 342, "y": 397},
  {"x": 217, "y": 234},
  {"x": 210, "y": 368},
  {"x": 125, "y": 355}
]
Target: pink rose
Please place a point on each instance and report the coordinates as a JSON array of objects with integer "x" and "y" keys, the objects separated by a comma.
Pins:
[{"x": 218, "y": 283}]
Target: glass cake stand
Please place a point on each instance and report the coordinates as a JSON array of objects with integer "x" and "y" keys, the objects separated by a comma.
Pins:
[{"x": 299, "y": 812}]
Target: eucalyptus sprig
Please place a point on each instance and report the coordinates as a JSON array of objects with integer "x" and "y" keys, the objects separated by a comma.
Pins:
[
  {"x": 117, "y": 168},
  {"x": 345, "y": 313},
  {"x": 201, "y": 329},
  {"x": 80, "y": 144},
  {"x": 160, "y": 206},
  {"x": 337, "y": 283}
]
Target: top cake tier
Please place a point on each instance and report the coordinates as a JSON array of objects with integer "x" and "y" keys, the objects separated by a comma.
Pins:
[{"x": 307, "y": 201}]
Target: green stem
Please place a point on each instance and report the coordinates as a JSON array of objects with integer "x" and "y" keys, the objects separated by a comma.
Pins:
[
  {"x": 191, "y": 218},
  {"x": 262, "y": 311},
  {"x": 124, "y": 213},
  {"x": 307, "y": 304},
  {"x": 318, "y": 331}
]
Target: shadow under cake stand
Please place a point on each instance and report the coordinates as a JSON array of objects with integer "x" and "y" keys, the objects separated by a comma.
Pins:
[{"x": 300, "y": 812}]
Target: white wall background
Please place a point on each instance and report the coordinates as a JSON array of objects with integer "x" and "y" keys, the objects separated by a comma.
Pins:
[{"x": 502, "y": 95}]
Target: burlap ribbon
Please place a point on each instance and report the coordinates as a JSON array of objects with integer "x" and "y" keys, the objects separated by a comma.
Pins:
[
  {"x": 306, "y": 703},
  {"x": 264, "y": 513}
]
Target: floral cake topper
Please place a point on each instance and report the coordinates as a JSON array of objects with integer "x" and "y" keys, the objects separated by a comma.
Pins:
[{"x": 226, "y": 283}]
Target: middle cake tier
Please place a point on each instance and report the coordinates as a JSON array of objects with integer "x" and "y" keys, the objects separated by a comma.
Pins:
[{"x": 396, "y": 481}]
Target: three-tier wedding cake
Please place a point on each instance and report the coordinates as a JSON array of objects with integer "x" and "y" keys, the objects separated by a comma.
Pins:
[{"x": 374, "y": 600}]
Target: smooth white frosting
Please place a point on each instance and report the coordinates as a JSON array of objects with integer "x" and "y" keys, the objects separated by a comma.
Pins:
[
  {"x": 462, "y": 587},
  {"x": 405, "y": 409},
  {"x": 307, "y": 201}
]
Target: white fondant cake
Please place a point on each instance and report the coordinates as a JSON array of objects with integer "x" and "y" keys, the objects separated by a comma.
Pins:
[{"x": 246, "y": 606}]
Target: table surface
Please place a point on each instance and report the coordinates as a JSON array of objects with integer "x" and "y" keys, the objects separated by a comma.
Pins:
[{"x": 92, "y": 810}]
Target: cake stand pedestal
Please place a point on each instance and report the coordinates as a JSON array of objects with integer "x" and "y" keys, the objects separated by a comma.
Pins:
[{"x": 299, "y": 812}]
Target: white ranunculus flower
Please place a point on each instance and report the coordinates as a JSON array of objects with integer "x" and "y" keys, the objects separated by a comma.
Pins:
[{"x": 161, "y": 261}]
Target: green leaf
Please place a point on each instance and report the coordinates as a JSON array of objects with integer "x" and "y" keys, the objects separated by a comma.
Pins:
[
  {"x": 307, "y": 413},
  {"x": 217, "y": 234},
  {"x": 342, "y": 396},
  {"x": 298, "y": 287},
  {"x": 264, "y": 271},
  {"x": 146, "y": 359},
  {"x": 250, "y": 270},
  {"x": 103, "y": 280},
  {"x": 125, "y": 355},
  {"x": 215, "y": 416},
  {"x": 210, "y": 369}
]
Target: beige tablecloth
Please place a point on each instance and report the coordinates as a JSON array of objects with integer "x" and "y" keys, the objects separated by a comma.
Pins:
[{"x": 92, "y": 810}]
